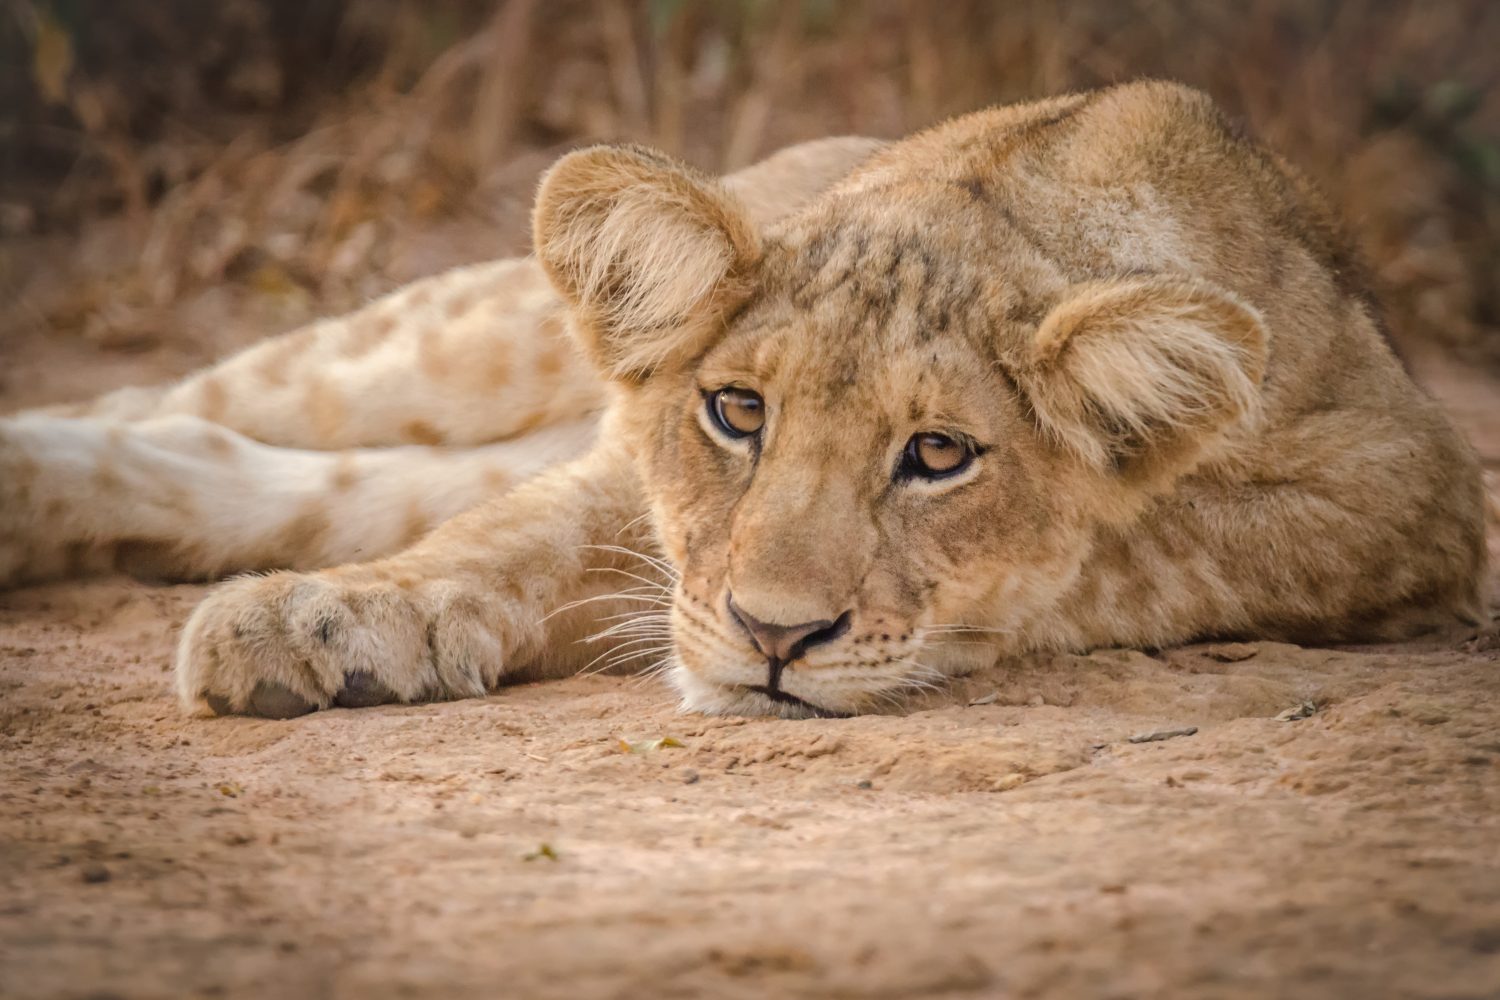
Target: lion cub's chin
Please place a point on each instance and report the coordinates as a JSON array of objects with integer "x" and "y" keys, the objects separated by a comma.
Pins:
[
  {"x": 700, "y": 694},
  {"x": 825, "y": 696}
]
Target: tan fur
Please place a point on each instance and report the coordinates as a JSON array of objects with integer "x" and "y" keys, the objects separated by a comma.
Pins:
[{"x": 1187, "y": 420}]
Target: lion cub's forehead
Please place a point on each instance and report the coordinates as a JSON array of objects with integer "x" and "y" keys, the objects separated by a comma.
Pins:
[
  {"x": 888, "y": 282},
  {"x": 922, "y": 267}
]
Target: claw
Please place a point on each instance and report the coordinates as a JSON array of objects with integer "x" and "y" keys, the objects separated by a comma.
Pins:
[{"x": 361, "y": 690}]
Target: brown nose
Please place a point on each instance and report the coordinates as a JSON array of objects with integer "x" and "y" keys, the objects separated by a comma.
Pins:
[{"x": 785, "y": 643}]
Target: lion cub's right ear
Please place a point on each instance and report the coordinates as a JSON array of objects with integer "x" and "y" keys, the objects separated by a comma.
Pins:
[{"x": 649, "y": 253}]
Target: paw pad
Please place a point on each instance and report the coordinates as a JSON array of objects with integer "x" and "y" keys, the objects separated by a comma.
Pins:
[{"x": 269, "y": 700}]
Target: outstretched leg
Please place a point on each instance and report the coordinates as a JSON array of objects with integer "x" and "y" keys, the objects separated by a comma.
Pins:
[
  {"x": 183, "y": 499},
  {"x": 504, "y": 590},
  {"x": 234, "y": 468}
]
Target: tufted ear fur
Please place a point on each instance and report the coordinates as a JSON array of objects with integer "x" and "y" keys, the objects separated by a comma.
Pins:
[
  {"x": 649, "y": 253},
  {"x": 1141, "y": 376}
]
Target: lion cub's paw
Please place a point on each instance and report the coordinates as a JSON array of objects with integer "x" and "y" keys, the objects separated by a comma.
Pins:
[{"x": 283, "y": 645}]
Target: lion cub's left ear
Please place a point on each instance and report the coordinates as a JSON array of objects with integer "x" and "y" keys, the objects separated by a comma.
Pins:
[
  {"x": 1141, "y": 376},
  {"x": 649, "y": 253}
]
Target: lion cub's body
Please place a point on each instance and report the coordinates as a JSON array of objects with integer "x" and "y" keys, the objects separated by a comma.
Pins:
[
  {"x": 1183, "y": 418},
  {"x": 1345, "y": 506}
]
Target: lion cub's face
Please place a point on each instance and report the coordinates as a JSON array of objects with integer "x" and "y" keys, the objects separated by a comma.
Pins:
[
  {"x": 878, "y": 439},
  {"x": 842, "y": 499}
]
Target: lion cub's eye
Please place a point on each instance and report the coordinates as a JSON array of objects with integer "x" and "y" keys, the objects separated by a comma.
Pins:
[
  {"x": 933, "y": 456},
  {"x": 737, "y": 412}
]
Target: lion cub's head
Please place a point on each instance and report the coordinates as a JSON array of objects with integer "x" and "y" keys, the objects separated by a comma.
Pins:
[{"x": 875, "y": 438}]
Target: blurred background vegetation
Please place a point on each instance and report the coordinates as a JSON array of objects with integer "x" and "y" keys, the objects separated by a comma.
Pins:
[{"x": 319, "y": 151}]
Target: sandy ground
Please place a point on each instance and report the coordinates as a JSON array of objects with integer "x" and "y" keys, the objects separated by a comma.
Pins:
[{"x": 1003, "y": 839}]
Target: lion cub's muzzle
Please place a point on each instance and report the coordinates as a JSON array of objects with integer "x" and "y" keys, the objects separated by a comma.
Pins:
[{"x": 783, "y": 644}]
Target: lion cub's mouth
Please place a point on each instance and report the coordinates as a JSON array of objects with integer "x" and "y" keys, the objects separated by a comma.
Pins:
[{"x": 778, "y": 695}]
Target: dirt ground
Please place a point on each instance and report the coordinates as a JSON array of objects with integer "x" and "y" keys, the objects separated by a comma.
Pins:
[{"x": 1004, "y": 839}]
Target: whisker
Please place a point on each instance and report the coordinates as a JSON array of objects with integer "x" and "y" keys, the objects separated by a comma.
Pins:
[
  {"x": 627, "y": 643},
  {"x": 633, "y": 576},
  {"x": 665, "y": 663},
  {"x": 614, "y": 639},
  {"x": 636, "y": 634},
  {"x": 663, "y": 615},
  {"x": 610, "y": 656},
  {"x": 616, "y": 661},
  {"x": 963, "y": 642},
  {"x": 652, "y": 672},
  {"x": 629, "y": 629},
  {"x": 621, "y": 596},
  {"x": 635, "y": 625},
  {"x": 958, "y": 627},
  {"x": 633, "y": 522},
  {"x": 637, "y": 622},
  {"x": 924, "y": 669},
  {"x": 659, "y": 563},
  {"x": 923, "y": 677}
]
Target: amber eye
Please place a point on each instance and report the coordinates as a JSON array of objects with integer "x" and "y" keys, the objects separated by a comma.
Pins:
[
  {"x": 933, "y": 456},
  {"x": 737, "y": 412}
]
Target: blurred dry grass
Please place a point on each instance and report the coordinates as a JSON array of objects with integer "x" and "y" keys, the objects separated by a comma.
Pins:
[{"x": 292, "y": 147}]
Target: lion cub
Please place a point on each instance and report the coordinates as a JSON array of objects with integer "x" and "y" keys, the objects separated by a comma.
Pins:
[{"x": 1087, "y": 372}]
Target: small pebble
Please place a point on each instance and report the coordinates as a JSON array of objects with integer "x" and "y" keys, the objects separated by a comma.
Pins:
[
  {"x": 865, "y": 783},
  {"x": 1301, "y": 710},
  {"x": 690, "y": 777},
  {"x": 94, "y": 874},
  {"x": 1163, "y": 734}
]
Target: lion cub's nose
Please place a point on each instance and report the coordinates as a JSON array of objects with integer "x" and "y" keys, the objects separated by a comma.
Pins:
[{"x": 785, "y": 643}]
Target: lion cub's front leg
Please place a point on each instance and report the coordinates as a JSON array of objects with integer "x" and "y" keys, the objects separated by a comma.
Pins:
[{"x": 449, "y": 618}]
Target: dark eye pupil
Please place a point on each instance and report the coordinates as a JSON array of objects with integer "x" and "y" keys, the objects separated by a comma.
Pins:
[
  {"x": 935, "y": 455},
  {"x": 738, "y": 412}
]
